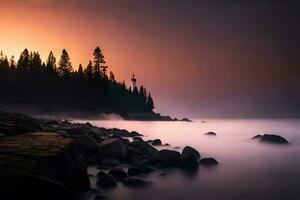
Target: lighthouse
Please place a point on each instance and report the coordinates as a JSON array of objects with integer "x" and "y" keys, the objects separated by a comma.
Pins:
[{"x": 133, "y": 82}]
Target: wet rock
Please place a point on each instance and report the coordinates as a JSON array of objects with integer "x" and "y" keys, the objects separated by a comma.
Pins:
[
  {"x": 257, "y": 137},
  {"x": 135, "y": 158},
  {"x": 124, "y": 133},
  {"x": 273, "y": 139},
  {"x": 138, "y": 138},
  {"x": 109, "y": 162},
  {"x": 186, "y": 120},
  {"x": 112, "y": 148},
  {"x": 44, "y": 154},
  {"x": 190, "y": 151},
  {"x": 156, "y": 142},
  {"x": 149, "y": 141},
  {"x": 143, "y": 147},
  {"x": 135, "y": 182},
  {"x": 87, "y": 144},
  {"x": 167, "y": 145},
  {"x": 166, "y": 157},
  {"x": 33, "y": 188},
  {"x": 133, "y": 171},
  {"x": 93, "y": 194},
  {"x": 188, "y": 162},
  {"x": 147, "y": 168},
  {"x": 105, "y": 180},
  {"x": 100, "y": 197},
  {"x": 118, "y": 173},
  {"x": 211, "y": 133},
  {"x": 163, "y": 174},
  {"x": 208, "y": 162}
]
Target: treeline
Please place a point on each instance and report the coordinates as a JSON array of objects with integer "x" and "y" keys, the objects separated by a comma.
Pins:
[{"x": 56, "y": 85}]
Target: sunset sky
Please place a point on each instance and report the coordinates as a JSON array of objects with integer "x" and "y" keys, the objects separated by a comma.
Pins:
[{"x": 198, "y": 58}]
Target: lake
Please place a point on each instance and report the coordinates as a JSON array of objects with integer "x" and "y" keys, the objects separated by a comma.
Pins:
[{"x": 248, "y": 169}]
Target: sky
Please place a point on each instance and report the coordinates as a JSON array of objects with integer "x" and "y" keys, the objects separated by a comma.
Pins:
[{"x": 198, "y": 58}]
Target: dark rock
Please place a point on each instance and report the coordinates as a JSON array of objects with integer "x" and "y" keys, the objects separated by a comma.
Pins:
[
  {"x": 110, "y": 162},
  {"x": 156, "y": 142},
  {"x": 143, "y": 147},
  {"x": 211, "y": 133},
  {"x": 186, "y": 120},
  {"x": 163, "y": 174},
  {"x": 133, "y": 171},
  {"x": 86, "y": 144},
  {"x": 93, "y": 194},
  {"x": 112, "y": 148},
  {"x": 132, "y": 151},
  {"x": 118, "y": 173},
  {"x": 135, "y": 158},
  {"x": 166, "y": 157},
  {"x": 208, "y": 162},
  {"x": 138, "y": 138},
  {"x": 188, "y": 162},
  {"x": 44, "y": 154},
  {"x": 33, "y": 188},
  {"x": 144, "y": 166},
  {"x": 124, "y": 133},
  {"x": 135, "y": 182},
  {"x": 257, "y": 137},
  {"x": 167, "y": 144},
  {"x": 190, "y": 151},
  {"x": 274, "y": 139},
  {"x": 106, "y": 180},
  {"x": 100, "y": 197},
  {"x": 149, "y": 141}
]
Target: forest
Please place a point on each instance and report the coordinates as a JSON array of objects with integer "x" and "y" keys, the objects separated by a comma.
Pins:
[{"x": 56, "y": 85}]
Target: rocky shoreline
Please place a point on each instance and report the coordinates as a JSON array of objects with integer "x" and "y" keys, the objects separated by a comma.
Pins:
[{"x": 51, "y": 156}]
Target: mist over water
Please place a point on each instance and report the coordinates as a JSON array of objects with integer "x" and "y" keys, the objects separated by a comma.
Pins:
[{"x": 247, "y": 170}]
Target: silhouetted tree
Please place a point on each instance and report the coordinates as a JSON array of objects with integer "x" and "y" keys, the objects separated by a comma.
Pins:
[
  {"x": 23, "y": 62},
  {"x": 112, "y": 77},
  {"x": 51, "y": 63},
  {"x": 89, "y": 71},
  {"x": 65, "y": 67},
  {"x": 98, "y": 60},
  {"x": 149, "y": 103},
  {"x": 80, "y": 71}
]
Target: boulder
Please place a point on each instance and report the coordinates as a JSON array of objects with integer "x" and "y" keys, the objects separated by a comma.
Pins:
[
  {"x": 135, "y": 182},
  {"x": 109, "y": 162},
  {"x": 124, "y": 133},
  {"x": 33, "y": 188},
  {"x": 112, "y": 148},
  {"x": 143, "y": 147},
  {"x": 190, "y": 151},
  {"x": 105, "y": 180},
  {"x": 142, "y": 165},
  {"x": 188, "y": 162},
  {"x": 166, "y": 157},
  {"x": 257, "y": 137},
  {"x": 133, "y": 171},
  {"x": 211, "y": 133},
  {"x": 208, "y": 162},
  {"x": 86, "y": 144},
  {"x": 138, "y": 138},
  {"x": 118, "y": 173},
  {"x": 156, "y": 142},
  {"x": 273, "y": 139},
  {"x": 44, "y": 154}
]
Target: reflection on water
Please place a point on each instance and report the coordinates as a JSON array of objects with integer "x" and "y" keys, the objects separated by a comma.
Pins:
[{"x": 247, "y": 170}]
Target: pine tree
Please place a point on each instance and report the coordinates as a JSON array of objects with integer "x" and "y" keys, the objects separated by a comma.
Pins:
[
  {"x": 80, "y": 71},
  {"x": 150, "y": 103},
  {"x": 12, "y": 63},
  {"x": 112, "y": 77},
  {"x": 51, "y": 63},
  {"x": 89, "y": 71},
  {"x": 65, "y": 67},
  {"x": 98, "y": 61},
  {"x": 23, "y": 62}
]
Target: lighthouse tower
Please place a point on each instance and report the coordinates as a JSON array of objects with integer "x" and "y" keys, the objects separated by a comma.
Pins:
[{"x": 133, "y": 82}]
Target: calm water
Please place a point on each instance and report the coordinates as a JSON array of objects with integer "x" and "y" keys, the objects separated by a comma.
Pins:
[{"x": 247, "y": 170}]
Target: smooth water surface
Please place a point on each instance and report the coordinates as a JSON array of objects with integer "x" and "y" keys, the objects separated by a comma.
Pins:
[{"x": 248, "y": 170}]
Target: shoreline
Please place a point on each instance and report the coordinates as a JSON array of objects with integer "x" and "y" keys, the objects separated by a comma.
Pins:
[{"x": 52, "y": 151}]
